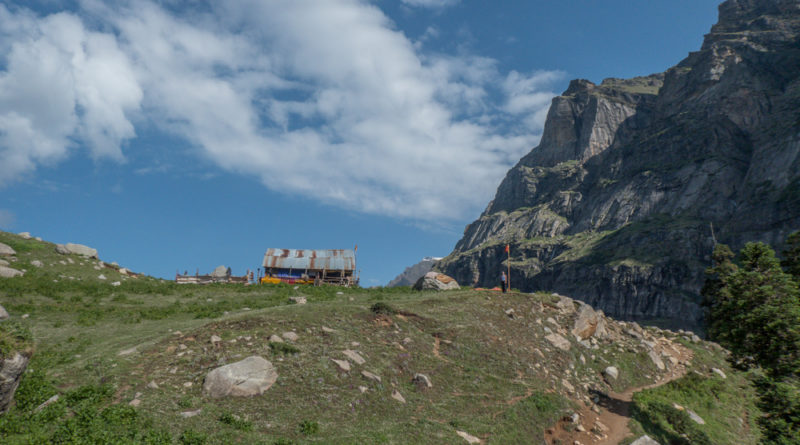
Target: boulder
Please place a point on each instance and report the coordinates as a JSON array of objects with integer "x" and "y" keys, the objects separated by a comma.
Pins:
[
  {"x": 62, "y": 249},
  {"x": 11, "y": 370},
  {"x": 656, "y": 360},
  {"x": 565, "y": 305},
  {"x": 24, "y": 235},
  {"x": 422, "y": 381},
  {"x": 436, "y": 281},
  {"x": 6, "y": 250},
  {"x": 589, "y": 323},
  {"x": 80, "y": 249},
  {"x": 7, "y": 272},
  {"x": 3, "y": 313},
  {"x": 4, "y": 263},
  {"x": 249, "y": 377},
  {"x": 37, "y": 263},
  {"x": 611, "y": 372}
]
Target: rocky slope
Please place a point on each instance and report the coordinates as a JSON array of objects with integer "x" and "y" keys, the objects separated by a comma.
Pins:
[
  {"x": 616, "y": 205},
  {"x": 413, "y": 273}
]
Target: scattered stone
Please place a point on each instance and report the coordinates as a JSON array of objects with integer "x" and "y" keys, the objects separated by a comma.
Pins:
[
  {"x": 339, "y": 293},
  {"x": 510, "y": 313},
  {"x": 468, "y": 437},
  {"x": 128, "y": 351},
  {"x": 217, "y": 339},
  {"x": 371, "y": 376},
  {"x": 3, "y": 313},
  {"x": 182, "y": 347},
  {"x": 354, "y": 356},
  {"x": 37, "y": 263},
  {"x": 558, "y": 341},
  {"x": 101, "y": 277},
  {"x": 436, "y": 281},
  {"x": 693, "y": 415},
  {"x": 716, "y": 371},
  {"x": 328, "y": 330},
  {"x": 38, "y": 238},
  {"x": 363, "y": 389},
  {"x": 695, "y": 338},
  {"x": 656, "y": 360},
  {"x": 6, "y": 250},
  {"x": 249, "y": 377},
  {"x": 124, "y": 271},
  {"x": 47, "y": 403},
  {"x": 298, "y": 300},
  {"x": 135, "y": 402},
  {"x": 24, "y": 316},
  {"x": 568, "y": 386},
  {"x": 187, "y": 414},
  {"x": 397, "y": 396},
  {"x": 407, "y": 340},
  {"x": 291, "y": 336},
  {"x": 580, "y": 428},
  {"x": 152, "y": 385},
  {"x": 188, "y": 384},
  {"x": 275, "y": 338},
  {"x": 344, "y": 365},
  {"x": 422, "y": 381},
  {"x": 611, "y": 372},
  {"x": 116, "y": 284},
  {"x": 7, "y": 272},
  {"x": 24, "y": 235},
  {"x": 644, "y": 440}
]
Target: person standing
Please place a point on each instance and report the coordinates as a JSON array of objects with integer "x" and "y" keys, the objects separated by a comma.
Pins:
[{"x": 503, "y": 281}]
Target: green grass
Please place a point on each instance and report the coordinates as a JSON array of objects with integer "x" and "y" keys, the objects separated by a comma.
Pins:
[{"x": 97, "y": 346}]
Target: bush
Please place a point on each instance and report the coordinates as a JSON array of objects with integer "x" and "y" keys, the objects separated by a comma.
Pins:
[{"x": 308, "y": 427}]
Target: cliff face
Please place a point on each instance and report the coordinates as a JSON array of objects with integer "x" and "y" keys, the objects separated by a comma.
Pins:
[
  {"x": 616, "y": 204},
  {"x": 413, "y": 273}
]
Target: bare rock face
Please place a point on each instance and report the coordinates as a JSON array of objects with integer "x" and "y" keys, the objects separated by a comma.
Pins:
[
  {"x": 436, "y": 281},
  {"x": 249, "y": 377},
  {"x": 11, "y": 370},
  {"x": 615, "y": 205}
]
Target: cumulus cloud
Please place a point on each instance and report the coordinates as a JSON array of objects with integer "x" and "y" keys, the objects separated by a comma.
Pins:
[{"x": 325, "y": 99}]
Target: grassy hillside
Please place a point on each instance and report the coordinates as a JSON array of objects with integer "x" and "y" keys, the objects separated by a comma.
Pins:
[{"x": 494, "y": 374}]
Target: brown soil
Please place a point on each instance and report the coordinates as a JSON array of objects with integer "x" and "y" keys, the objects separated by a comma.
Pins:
[{"x": 610, "y": 426}]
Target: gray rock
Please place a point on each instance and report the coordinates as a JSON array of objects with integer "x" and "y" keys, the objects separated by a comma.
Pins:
[
  {"x": 152, "y": 385},
  {"x": 47, "y": 403},
  {"x": 291, "y": 336},
  {"x": 611, "y": 372},
  {"x": 101, "y": 277},
  {"x": 644, "y": 440},
  {"x": 6, "y": 250},
  {"x": 354, "y": 356},
  {"x": 11, "y": 370},
  {"x": 37, "y": 263},
  {"x": 656, "y": 360},
  {"x": 62, "y": 249},
  {"x": 188, "y": 414},
  {"x": 371, "y": 376},
  {"x": 4, "y": 262},
  {"x": 24, "y": 235},
  {"x": 80, "y": 249},
  {"x": 693, "y": 415},
  {"x": 589, "y": 323},
  {"x": 344, "y": 365},
  {"x": 274, "y": 338},
  {"x": 8, "y": 272},
  {"x": 558, "y": 341},
  {"x": 298, "y": 300},
  {"x": 217, "y": 339},
  {"x": 716, "y": 371},
  {"x": 3, "y": 313},
  {"x": 436, "y": 281},
  {"x": 422, "y": 381},
  {"x": 565, "y": 305},
  {"x": 249, "y": 377},
  {"x": 468, "y": 437},
  {"x": 397, "y": 396}
]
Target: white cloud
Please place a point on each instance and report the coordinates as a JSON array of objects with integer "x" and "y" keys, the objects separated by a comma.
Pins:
[
  {"x": 431, "y": 3},
  {"x": 319, "y": 98}
]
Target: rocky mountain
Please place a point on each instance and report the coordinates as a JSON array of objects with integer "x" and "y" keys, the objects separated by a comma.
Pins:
[
  {"x": 635, "y": 180},
  {"x": 413, "y": 273}
]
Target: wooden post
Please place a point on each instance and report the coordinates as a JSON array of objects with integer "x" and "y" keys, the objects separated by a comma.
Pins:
[{"x": 508, "y": 263}]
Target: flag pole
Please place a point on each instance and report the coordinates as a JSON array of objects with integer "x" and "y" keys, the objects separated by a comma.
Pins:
[{"x": 508, "y": 263}]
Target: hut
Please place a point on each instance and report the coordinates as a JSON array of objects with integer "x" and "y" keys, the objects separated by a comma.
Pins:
[{"x": 306, "y": 266}]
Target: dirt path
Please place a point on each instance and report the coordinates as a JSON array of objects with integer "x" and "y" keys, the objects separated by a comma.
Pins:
[{"x": 610, "y": 426}]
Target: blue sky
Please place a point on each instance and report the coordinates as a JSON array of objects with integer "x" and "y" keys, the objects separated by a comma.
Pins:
[{"x": 181, "y": 135}]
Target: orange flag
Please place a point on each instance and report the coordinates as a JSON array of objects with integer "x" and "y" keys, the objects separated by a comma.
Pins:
[{"x": 508, "y": 248}]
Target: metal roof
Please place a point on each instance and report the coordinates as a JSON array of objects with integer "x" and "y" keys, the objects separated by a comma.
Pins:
[{"x": 311, "y": 259}]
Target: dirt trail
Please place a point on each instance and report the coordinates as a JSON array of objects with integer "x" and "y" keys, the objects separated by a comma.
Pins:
[{"x": 610, "y": 426}]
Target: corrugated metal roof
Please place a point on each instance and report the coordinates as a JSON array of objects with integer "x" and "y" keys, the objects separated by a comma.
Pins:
[{"x": 311, "y": 259}]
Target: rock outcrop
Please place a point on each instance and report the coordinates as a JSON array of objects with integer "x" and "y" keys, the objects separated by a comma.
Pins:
[
  {"x": 11, "y": 370},
  {"x": 8, "y": 272},
  {"x": 6, "y": 250},
  {"x": 77, "y": 249},
  {"x": 617, "y": 204},
  {"x": 436, "y": 281}
]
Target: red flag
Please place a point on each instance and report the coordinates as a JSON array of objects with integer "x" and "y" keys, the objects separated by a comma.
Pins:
[
  {"x": 356, "y": 248},
  {"x": 508, "y": 248}
]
